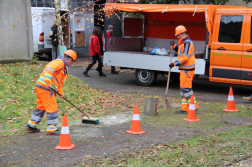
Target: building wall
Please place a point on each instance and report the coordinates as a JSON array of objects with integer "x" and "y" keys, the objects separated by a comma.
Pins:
[
  {"x": 15, "y": 30},
  {"x": 89, "y": 25}
]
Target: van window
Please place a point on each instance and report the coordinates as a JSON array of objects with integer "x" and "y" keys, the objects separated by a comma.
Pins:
[{"x": 230, "y": 28}]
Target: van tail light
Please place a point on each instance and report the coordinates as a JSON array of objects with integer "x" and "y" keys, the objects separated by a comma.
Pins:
[
  {"x": 71, "y": 38},
  {"x": 41, "y": 37}
]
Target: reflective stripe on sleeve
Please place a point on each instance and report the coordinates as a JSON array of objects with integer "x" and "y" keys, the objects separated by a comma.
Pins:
[
  {"x": 41, "y": 79},
  {"x": 54, "y": 86},
  {"x": 49, "y": 68},
  {"x": 48, "y": 76}
]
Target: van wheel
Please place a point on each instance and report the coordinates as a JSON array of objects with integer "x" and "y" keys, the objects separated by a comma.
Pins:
[{"x": 145, "y": 77}]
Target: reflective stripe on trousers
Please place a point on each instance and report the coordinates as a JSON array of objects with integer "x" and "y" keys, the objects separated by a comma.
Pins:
[
  {"x": 36, "y": 117},
  {"x": 52, "y": 122},
  {"x": 186, "y": 93},
  {"x": 186, "y": 103}
]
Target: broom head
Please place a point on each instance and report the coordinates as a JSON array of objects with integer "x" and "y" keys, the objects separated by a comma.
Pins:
[{"x": 90, "y": 120}]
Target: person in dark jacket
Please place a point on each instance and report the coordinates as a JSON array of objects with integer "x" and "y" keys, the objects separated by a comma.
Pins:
[
  {"x": 95, "y": 52},
  {"x": 54, "y": 39},
  {"x": 109, "y": 34}
]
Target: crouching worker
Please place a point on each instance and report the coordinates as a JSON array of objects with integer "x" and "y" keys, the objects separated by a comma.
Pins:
[
  {"x": 53, "y": 76},
  {"x": 186, "y": 63}
]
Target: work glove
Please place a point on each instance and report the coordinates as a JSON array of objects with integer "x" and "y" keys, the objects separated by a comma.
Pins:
[
  {"x": 172, "y": 43},
  {"x": 96, "y": 54},
  {"x": 171, "y": 65}
]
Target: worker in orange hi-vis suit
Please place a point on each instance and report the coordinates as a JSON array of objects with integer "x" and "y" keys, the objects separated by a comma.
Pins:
[
  {"x": 186, "y": 63},
  {"x": 53, "y": 76}
]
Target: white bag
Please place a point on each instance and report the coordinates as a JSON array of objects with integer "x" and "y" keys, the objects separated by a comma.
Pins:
[
  {"x": 161, "y": 52},
  {"x": 50, "y": 33}
]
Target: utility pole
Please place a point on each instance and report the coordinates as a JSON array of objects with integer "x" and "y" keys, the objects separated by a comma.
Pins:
[{"x": 58, "y": 20}]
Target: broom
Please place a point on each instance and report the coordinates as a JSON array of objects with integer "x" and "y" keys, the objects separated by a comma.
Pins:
[{"x": 87, "y": 119}]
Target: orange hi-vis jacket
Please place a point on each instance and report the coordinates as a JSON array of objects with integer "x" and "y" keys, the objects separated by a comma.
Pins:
[
  {"x": 54, "y": 75},
  {"x": 186, "y": 55}
]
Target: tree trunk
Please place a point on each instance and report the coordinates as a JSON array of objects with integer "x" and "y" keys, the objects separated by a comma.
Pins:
[{"x": 58, "y": 20}]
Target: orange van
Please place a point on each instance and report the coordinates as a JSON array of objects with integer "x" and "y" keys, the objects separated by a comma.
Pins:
[{"x": 221, "y": 35}]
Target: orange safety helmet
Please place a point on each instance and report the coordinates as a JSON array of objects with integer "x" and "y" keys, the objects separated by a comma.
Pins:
[
  {"x": 72, "y": 54},
  {"x": 180, "y": 29}
]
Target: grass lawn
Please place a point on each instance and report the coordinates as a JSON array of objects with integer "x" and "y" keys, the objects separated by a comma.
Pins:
[{"x": 18, "y": 97}]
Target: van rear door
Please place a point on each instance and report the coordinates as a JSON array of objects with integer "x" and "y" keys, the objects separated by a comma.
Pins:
[
  {"x": 246, "y": 71},
  {"x": 48, "y": 21},
  {"x": 226, "y": 49}
]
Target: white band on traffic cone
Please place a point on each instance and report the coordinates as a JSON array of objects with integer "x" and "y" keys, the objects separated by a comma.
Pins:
[
  {"x": 231, "y": 98},
  {"x": 64, "y": 130},
  {"x": 136, "y": 117},
  {"x": 192, "y": 107}
]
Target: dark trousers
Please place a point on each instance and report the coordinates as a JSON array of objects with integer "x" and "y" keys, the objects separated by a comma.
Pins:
[
  {"x": 112, "y": 68},
  {"x": 100, "y": 64},
  {"x": 54, "y": 51}
]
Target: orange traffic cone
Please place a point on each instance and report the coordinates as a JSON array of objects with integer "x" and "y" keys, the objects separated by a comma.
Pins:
[
  {"x": 65, "y": 140},
  {"x": 191, "y": 116},
  {"x": 135, "y": 126},
  {"x": 231, "y": 103}
]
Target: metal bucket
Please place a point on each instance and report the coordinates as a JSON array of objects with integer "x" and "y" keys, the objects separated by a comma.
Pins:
[{"x": 151, "y": 105}]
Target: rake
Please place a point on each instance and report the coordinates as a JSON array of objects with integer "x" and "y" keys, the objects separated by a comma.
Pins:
[{"x": 168, "y": 105}]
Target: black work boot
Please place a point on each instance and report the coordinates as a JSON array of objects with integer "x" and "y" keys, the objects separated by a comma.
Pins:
[
  {"x": 56, "y": 132},
  {"x": 29, "y": 128},
  {"x": 114, "y": 72},
  {"x": 86, "y": 74},
  {"x": 181, "y": 112},
  {"x": 86, "y": 71},
  {"x": 102, "y": 74}
]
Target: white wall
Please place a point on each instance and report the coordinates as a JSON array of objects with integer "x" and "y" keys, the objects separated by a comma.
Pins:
[{"x": 15, "y": 30}]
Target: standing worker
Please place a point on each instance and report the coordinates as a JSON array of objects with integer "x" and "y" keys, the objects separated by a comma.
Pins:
[
  {"x": 109, "y": 34},
  {"x": 54, "y": 39},
  {"x": 95, "y": 52},
  {"x": 186, "y": 63},
  {"x": 53, "y": 76}
]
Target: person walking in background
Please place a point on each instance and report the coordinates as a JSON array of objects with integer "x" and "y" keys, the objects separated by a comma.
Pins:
[
  {"x": 109, "y": 34},
  {"x": 54, "y": 38},
  {"x": 186, "y": 63},
  {"x": 53, "y": 76},
  {"x": 95, "y": 52}
]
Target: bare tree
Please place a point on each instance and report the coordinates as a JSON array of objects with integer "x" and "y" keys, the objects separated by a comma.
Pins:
[{"x": 58, "y": 20}]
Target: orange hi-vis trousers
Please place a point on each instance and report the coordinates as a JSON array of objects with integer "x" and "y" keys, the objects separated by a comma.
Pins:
[
  {"x": 46, "y": 102},
  {"x": 186, "y": 78}
]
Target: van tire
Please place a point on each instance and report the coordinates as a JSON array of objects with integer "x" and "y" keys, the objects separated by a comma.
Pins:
[{"x": 145, "y": 77}]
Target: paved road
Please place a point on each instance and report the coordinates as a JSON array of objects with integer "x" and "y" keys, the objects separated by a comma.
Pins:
[{"x": 204, "y": 90}]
